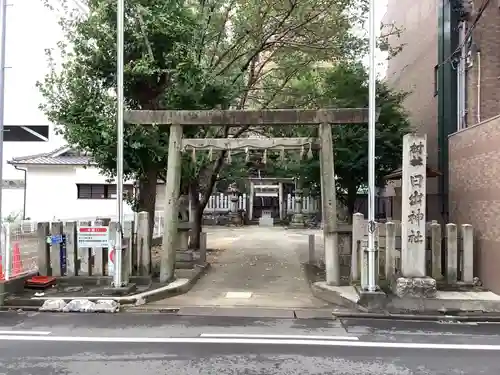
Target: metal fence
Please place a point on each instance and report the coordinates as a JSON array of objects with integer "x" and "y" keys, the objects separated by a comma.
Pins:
[{"x": 19, "y": 243}]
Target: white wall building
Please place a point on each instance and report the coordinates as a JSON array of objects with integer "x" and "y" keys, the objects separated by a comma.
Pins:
[{"x": 63, "y": 184}]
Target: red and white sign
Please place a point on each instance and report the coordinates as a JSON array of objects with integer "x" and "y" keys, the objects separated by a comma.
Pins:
[
  {"x": 93, "y": 237},
  {"x": 111, "y": 255}
]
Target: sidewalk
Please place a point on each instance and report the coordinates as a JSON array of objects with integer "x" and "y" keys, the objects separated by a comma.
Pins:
[{"x": 256, "y": 267}]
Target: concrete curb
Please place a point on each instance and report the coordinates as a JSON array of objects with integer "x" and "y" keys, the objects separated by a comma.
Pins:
[
  {"x": 34, "y": 303},
  {"x": 335, "y": 298},
  {"x": 427, "y": 317}
]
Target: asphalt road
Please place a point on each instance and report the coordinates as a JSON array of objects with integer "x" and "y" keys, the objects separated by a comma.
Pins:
[{"x": 132, "y": 344}]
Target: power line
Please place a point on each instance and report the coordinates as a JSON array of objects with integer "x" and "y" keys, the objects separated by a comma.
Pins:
[{"x": 482, "y": 8}]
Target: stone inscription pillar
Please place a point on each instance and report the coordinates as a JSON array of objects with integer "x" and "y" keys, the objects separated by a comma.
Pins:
[{"x": 413, "y": 206}]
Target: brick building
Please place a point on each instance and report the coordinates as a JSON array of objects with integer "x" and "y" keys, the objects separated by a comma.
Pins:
[{"x": 465, "y": 146}]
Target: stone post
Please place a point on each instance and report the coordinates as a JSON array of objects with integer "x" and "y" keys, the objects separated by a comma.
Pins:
[
  {"x": 413, "y": 206},
  {"x": 298, "y": 217},
  {"x": 363, "y": 261},
  {"x": 390, "y": 249},
  {"x": 56, "y": 228},
  {"x": 280, "y": 201},
  {"x": 357, "y": 235},
  {"x": 172, "y": 187},
  {"x": 414, "y": 281},
  {"x": 436, "y": 240},
  {"x": 71, "y": 248},
  {"x": 203, "y": 247},
  {"x": 468, "y": 255},
  {"x": 143, "y": 245},
  {"x": 312, "y": 250},
  {"x": 43, "y": 253},
  {"x": 330, "y": 233},
  {"x": 250, "y": 202},
  {"x": 452, "y": 253}
]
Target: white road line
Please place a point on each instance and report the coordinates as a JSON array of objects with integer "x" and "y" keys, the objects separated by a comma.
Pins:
[
  {"x": 277, "y": 337},
  {"x": 201, "y": 340},
  {"x": 41, "y": 333}
]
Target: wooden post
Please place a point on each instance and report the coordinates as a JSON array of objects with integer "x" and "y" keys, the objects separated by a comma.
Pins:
[
  {"x": 71, "y": 248},
  {"x": 330, "y": 234},
  {"x": 55, "y": 250},
  {"x": 468, "y": 253},
  {"x": 143, "y": 245},
  {"x": 390, "y": 249},
  {"x": 436, "y": 241},
  {"x": 43, "y": 253},
  {"x": 172, "y": 190},
  {"x": 452, "y": 253}
]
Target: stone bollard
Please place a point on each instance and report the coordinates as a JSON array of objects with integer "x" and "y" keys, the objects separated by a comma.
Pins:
[
  {"x": 143, "y": 245},
  {"x": 363, "y": 262},
  {"x": 452, "y": 253},
  {"x": 203, "y": 247},
  {"x": 43, "y": 254},
  {"x": 56, "y": 267},
  {"x": 468, "y": 253},
  {"x": 312, "y": 249},
  {"x": 436, "y": 240},
  {"x": 357, "y": 235},
  {"x": 71, "y": 248},
  {"x": 390, "y": 250}
]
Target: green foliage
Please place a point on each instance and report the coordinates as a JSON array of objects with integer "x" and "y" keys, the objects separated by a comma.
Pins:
[
  {"x": 160, "y": 72},
  {"x": 346, "y": 86},
  {"x": 249, "y": 40}
]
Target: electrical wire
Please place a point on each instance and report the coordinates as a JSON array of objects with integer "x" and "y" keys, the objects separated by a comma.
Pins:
[{"x": 480, "y": 12}]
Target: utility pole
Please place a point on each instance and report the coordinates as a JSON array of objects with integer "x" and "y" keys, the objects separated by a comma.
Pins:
[
  {"x": 120, "y": 10},
  {"x": 372, "y": 282}
]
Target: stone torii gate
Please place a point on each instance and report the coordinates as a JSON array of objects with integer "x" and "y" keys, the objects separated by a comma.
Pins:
[{"x": 324, "y": 118}]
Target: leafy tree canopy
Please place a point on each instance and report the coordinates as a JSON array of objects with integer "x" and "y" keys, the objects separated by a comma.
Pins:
[
  {"x": 345, "y": 85},
  {"x": 184, "y": 55}
]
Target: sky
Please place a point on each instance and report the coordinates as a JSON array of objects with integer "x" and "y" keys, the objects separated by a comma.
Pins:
[{"x": 31, "y": 29}]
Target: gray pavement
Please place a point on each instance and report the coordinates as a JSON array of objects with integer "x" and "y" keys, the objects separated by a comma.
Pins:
[
  {"x": 129, "y": 344},
  {"x": 258, "y": 267}
]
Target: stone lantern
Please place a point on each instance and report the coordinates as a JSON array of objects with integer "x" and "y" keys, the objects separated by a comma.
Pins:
[
  {"x": 298, "y": 217},
  {"x": 234, "y": 213}
]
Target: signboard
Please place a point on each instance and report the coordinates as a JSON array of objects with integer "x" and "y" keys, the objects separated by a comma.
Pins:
[
  {"x": 111, "y": 261},
  {"x": 55, "y": 239},
  {"x": 93, "y": 237},
  {"x": 31, "y": 133}
]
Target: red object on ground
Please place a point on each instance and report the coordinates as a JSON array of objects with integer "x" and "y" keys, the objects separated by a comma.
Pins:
[
  {"x": 17, "y": 264},
  {"x": 41, "y": 282}
]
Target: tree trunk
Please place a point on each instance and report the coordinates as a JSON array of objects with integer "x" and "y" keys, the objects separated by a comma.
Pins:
[{"x": 147, "y": 198}]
